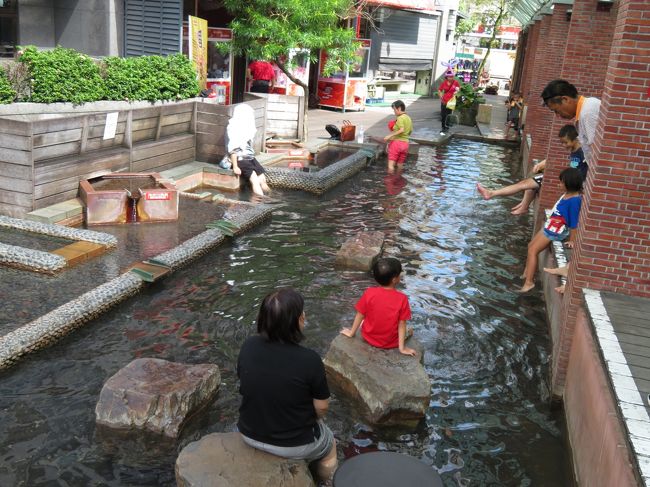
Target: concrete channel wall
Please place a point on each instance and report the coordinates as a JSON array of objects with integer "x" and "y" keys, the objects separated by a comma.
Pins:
[
  {"x": 599, "y": 444},
  {"x": 45, "y": 150}
]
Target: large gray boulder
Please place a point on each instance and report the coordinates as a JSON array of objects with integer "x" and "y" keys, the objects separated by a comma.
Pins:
[
  {"x": 156, "y": 395},
  {"x": 361, "y": 251},
  {"x": 224, "y": 460},
  {"x": 392, "y": 389}
]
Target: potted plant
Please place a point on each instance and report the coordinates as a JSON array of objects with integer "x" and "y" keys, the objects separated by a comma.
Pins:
[{"x": 467, "y": 101}]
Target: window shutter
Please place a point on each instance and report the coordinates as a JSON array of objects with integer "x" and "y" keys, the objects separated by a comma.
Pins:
[{"x": 152, "y": 27}]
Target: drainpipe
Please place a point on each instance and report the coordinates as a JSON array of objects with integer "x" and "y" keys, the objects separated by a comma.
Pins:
[{"x": 436, "y": 52}]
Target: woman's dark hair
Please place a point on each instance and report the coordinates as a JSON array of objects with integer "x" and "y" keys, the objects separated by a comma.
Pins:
[
  {"x": 572, "y": 179},
  {"x": 399, "y": 104},
  {"x": 558, "y": 88},
  {"x": 279, "y": 315},
  {"x": 386, "y": 269},
  {"x": 568, "y": 131}
]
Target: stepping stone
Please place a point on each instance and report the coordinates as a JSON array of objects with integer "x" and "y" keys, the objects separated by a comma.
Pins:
[
  {"x": 79, "y": 251},
  {"x": 391, "y": 388},
  {"x": 224, "y": 460},
  {"x": 360, "y": 252},
  {"x": 149, "y": 271},
  {"x": 156, "y": 395}
]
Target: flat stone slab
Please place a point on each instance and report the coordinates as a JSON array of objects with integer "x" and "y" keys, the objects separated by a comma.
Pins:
[
  {"x": 392, "y": 389},
  {"x": 429, "y": 136},
  {"x": 361, "y": 251},
  {"x": 156, "y": 395},
  {"x": 79, "y": 251},
  {"x": 224, "y": 460}
]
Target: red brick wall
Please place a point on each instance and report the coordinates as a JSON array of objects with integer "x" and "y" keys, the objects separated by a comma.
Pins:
[
  {"x": 547, "y": 61},
  {"x": 584, "y": 64},
  {"x": 529, "y": 61},
  {"x": 593, "y": 426},
  {"x": 517, "y": 69},
  {"x": 613, "y": 251}
]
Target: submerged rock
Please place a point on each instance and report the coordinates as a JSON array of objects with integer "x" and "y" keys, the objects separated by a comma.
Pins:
[
  {"x": 393, "y": 389},
  {"x": 156, "y": 395},
  {"x": 224, "y": 460},
  {"x": 361, "y": 251}
]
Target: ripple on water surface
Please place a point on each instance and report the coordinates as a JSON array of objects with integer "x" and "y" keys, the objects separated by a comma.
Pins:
[{"x": 486, "y": 348}]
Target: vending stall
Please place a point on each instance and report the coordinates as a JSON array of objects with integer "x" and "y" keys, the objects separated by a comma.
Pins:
[
  {"x": 219, "y": 63},
  {"x": 349, "y": 90}
]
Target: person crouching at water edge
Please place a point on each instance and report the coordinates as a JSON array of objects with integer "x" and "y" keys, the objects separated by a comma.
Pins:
[
  {"x": 560, "y": 225},
  {"x": 241, "y": 133},
  {"x": 284, "y": 389},
  {"x": 398, "y": 139}
]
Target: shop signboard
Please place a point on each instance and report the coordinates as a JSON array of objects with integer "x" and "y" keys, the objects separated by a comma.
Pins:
[{"x": 198, "y": 47}]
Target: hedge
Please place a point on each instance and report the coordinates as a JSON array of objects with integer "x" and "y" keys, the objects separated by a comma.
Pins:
[
  {"x": 62, "y": 75},
  {"x": 7, "y": 93},
  {"x": 150, "y": 78},
  {"x": 65, "y": 75}
]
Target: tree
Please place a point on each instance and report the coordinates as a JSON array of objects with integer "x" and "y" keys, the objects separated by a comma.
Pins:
[
  {"x": 492, "y": 20},
  {"x": 490, "y": 14},
  {"x": 269, "y": 29}
]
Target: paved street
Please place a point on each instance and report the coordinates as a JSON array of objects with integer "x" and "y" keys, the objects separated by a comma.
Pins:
[{"x": 425, "y": 113}]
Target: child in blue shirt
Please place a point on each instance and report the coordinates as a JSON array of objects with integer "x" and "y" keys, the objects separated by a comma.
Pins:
[{"x": 559, "y": 226}]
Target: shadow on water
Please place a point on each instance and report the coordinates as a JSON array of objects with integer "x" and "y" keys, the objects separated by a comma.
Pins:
[{"x": 487, "y": 349}]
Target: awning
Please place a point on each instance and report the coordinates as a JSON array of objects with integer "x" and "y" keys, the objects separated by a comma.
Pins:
[
  {"x": 525, "y": 11},
  {"x": 405, "y": 4},
  {"x": 392, "y": 64}
]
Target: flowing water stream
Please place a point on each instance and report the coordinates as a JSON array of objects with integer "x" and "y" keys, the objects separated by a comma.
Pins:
[{"x": 487, "y": 348}]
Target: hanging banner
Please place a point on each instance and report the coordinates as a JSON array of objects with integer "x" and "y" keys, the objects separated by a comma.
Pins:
[{"x": 199, "y": 48}]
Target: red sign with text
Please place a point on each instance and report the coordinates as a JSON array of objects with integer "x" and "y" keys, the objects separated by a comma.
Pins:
[{"x": 157, "y": 196}]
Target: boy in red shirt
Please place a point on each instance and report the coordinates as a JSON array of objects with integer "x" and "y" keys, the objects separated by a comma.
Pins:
[{"x": 383, "y": 310}]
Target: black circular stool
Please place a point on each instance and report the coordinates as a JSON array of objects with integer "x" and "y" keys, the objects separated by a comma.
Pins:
[{"x": 385, "y": 469}]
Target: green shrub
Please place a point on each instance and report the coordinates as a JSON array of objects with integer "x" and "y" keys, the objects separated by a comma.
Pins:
[
  {"x": 7, "y": 93},
  {"x": 468, "y": 96},
  {"x": 150, "y": 78},
  {"x": 62, "y": 75}
]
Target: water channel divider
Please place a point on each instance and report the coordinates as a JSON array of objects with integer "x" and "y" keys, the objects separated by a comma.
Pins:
[
  {"x": 49, "y": 328},
  {"x": 50, "y": 262}
]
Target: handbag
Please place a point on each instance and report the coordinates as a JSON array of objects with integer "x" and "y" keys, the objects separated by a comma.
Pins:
[
  {"x": 451, "y": 104},
  {"x": 348, "y": 131}
]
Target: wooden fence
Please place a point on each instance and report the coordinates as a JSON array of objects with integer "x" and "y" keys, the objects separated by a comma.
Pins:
[
  {"x": 285, "y": 115},
  {"x": 212, "y": 121},
  {"x": 43, "y": 159}
]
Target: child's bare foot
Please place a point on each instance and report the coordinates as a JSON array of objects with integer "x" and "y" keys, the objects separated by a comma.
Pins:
[
  {"x": 560, "y": 289},
  {"x": 486, "y": 193},
  {"x": 558, "y": 271},
  {"x": 519, "y": 211},
  {"x": 526, "y": 287}
]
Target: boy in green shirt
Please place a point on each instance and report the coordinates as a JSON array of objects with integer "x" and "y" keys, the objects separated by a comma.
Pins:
[{"x": 398, "y": 139}]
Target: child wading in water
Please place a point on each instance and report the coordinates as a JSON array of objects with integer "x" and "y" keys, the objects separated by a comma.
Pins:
[
  {"x": 398, "y": 139},
  {"x": 383, "y": 310},
  {"x": 559, "y": 226}
]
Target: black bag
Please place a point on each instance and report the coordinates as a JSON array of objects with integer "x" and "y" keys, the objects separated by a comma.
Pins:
[{"x": 334, "y": 132}]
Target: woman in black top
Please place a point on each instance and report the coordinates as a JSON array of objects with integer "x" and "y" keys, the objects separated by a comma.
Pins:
[{"x": 283, "y": 387}]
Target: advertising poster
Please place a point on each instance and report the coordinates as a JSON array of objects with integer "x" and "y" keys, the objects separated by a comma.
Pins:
[{"x": 199, "y": 48}]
